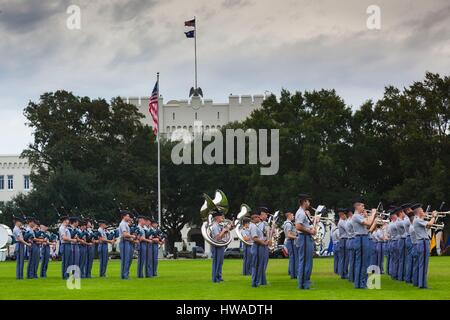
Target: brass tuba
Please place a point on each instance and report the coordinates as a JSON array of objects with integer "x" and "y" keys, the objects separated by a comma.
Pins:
[
  {"x": 245, "y": 212},
  {"x": 220, "y": 203}
]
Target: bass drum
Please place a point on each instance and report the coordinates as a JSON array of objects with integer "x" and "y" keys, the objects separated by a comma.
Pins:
[{"x": 6, "y": 236}]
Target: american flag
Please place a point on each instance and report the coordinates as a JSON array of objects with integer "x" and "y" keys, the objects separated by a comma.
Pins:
[{"x": 153, "y": 107}]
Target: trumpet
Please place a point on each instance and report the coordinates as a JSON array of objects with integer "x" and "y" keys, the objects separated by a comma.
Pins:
[
  {"x": 429, "y": 215},
  {"x": 378, "y": 213},
  {"x": 382, "y": 222},
  {"x": 437, "y": 227}
]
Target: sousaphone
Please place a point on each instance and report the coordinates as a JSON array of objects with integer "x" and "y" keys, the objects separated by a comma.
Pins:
[
  {"x": 219, "y": 203},
  {"x": 245, "y": 212}
]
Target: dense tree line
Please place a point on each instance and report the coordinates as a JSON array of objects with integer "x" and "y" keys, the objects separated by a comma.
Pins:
[{"x": 91, "y": 156}]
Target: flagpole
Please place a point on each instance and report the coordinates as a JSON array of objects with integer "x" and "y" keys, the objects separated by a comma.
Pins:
[
  {"x": 195, "y": 49},
  {"x": 159, "y": 160}
]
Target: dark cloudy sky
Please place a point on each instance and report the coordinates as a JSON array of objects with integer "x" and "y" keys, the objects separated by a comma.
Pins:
[{"x": 244, "y": 47}]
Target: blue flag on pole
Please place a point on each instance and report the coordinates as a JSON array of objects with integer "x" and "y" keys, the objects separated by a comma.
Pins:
[{"x": 190, "y": 34}]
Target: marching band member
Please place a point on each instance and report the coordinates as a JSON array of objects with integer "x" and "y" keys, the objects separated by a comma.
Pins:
[
  {"x": 218, "y": 232},
  {"x": 393, "y": 248},
  {"x": 304, "y": 243},
  {"x": 290, "y": 234},
  {"x": 247, "y": 258},
  {"x": 103, "y": 248},
  {"x": 148, "y": 235},
  {"x": 83, "y": 248},
  {"x": 257, "y": 249},
  {"x": 380, "y": 239},
  {"x": 33, "y": 258},
  {"x": 90, "y": 249},
  {"x": 264, "y": 226},
  {"x": 343, "y": 243},
  {"x": 19, "y": 250},
  {"x": 372, "y": 243},
  {"x": 65, "y": 243},
  {"x": 45, "y": 250},
  {"x": 350, "y": 245},
  {"x": 336, "y": 246},
  {"x": 423, "y": 243},
  {"x": 361, "y": 224},
  {"x": 74, "y": 247},
  {"x": 143, "y": 245},
  {"x": 414, "y": 271},
  {"x": 401, "y": 243},
  {"x": 126, "y": 245},
  {"x": 407, "y": 271},
  {"x": 157, "y": 240}
]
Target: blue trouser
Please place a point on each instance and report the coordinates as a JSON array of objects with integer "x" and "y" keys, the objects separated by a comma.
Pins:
[
  {"x": 401, "y": 259},
  {"x": 155, "y": 251},
  {"x": 45, "y": 258},
  {"x": 217, "y": 262},
  {"x": 343, "y": 258},
  {"x": 408, "y": 261},
  {"x": 90, "y": 251},
  {"x": 247, "y": 260},
  {"x": 293, "y": 258},
  {"x": 20, "y": 259},
  {"x": 142, "y": 259},
  {"x": 126, "y": 255},
  {"x": 33, "y": 261},
  {"x": 362, "y": 260},
  {"x": 351, "y": 259},
  {"x": 423, "y": 252},
  {"x": 74, "y": 255},
  {"x": 394, "y": 259},
  {"x": 415, "y": 265},
  {"x": 379, "y": 249},
  {"x": 257, "y": 264},
  {"x": 387, "y": 254},
  {"x": 336, "y": 254},
  {"x": 103, "y": 257},
  {"x": 66, "y": 250},
  {"x": 266, "y": 262},
  {"x": 305, "y": 247},
  {"x": 149, "y": 263},
  {"x": 83, "y": 260},
  {"x": 373, "y": 253}
]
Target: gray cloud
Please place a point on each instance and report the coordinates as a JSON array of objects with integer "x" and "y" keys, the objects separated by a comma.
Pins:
[{"x": 244, "y": 47}]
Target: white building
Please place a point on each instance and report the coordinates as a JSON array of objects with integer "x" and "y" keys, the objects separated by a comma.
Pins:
[
  {"x": 182, "y": 114},
  {"x": 14, "y": 177}
]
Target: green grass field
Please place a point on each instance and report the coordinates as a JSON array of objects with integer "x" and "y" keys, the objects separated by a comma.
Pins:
[{"x": 190, "y": 279}]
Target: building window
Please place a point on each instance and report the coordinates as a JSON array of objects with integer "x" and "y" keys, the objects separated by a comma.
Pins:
[
  {"x": 218, "y": 115},
  {"x": 196, "y": 116},
  {"x": 26, "y": 182},
  {"x": 10, "y": 182},
  {"x": 2, "y": 182},
  {"x": 173, "y": 115}
]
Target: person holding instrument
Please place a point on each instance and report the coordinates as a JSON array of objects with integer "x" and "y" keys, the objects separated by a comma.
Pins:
[{"x": 423, "y": 243}]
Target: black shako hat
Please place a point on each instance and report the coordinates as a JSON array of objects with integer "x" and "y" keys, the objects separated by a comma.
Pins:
[
  {"x": 406, "y": 206},
  {"x": 304, "y": 196},
  {"x": 74, "y": 219},
  {"x": 216, "y": 213},
  {"x": 395, "y": 210}
]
